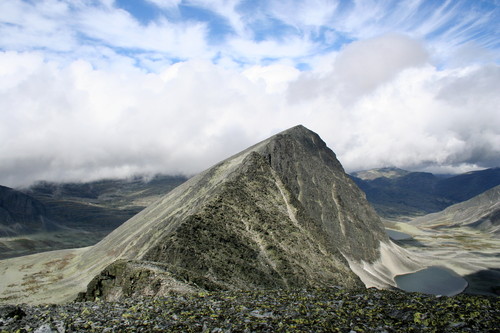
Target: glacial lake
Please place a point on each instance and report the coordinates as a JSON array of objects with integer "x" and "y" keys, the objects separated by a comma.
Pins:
[{"x": 435, "y": 280}]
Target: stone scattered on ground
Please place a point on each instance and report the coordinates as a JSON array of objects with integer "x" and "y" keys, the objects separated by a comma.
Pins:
[{"x": 332, "y": 310}]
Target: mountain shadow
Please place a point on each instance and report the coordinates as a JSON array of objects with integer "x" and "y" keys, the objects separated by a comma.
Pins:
[
  {"x": 22, "y": 214},
  {"x": 484, "y": 282}
]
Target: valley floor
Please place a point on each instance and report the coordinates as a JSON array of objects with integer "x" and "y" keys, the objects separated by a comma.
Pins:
[
  {"x": 332, "y": 310},
  {"x": 473, "y": 254},
  {"x": 18, "y": 246}
]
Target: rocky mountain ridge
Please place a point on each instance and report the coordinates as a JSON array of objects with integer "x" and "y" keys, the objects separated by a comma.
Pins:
[
  {"x": 281, "y": 214},
  {"x": 81, "y": 214}
]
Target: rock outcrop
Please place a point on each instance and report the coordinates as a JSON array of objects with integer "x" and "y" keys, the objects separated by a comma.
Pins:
[{"x": 131, "y": 278}]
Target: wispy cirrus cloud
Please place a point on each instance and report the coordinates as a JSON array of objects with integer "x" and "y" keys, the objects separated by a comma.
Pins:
[{"x": 182, "y": 30}]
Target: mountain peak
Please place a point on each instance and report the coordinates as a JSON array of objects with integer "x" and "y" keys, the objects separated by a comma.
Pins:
[
  {"x": 296, "y": 129},
  {"x": 280, "y": 214},
  {"x": 298, "y": 132}
]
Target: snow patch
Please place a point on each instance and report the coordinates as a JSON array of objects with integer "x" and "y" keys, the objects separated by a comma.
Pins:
[{"x": 393, "y": 261}]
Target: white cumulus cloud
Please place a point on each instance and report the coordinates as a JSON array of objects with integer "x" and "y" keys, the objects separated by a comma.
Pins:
[
  {"x": 78, "y": 122},
  {"x": 92, "y": 89}
]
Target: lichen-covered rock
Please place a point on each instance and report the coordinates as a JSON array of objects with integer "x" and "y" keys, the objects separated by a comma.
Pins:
[
  {"x": 275, "y": 310},
  {"x": 128, "y": 278}
]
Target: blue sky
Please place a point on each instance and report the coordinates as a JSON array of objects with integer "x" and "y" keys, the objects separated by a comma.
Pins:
[
  {"x": 100, "y": 88},
  {"x": 246, "y": 32}
]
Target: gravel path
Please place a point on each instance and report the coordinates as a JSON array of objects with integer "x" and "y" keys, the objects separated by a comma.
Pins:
[{"x": 332, "y": 310}]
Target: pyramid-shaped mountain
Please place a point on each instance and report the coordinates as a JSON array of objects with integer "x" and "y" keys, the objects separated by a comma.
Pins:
[{"x": 280, "y": 214}]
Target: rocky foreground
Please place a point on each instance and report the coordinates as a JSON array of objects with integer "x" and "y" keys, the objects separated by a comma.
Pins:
[{"x": 326, "y": 310}]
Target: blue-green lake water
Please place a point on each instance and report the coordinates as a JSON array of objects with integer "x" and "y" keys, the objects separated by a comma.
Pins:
[{"x": 435, "y": 280}]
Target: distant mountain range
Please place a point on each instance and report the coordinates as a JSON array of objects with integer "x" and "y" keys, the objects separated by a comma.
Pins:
[
  {"x": 399, "y": 193},
  {"x": 51, "y": 216},
  {"x": 482, "y": 212},
  {"x": 103, "y": 204}
]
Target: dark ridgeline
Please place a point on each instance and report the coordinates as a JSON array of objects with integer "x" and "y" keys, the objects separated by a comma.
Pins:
[
  {"x": 21, "y": 213},
  {"x": 398, "y": 193}
]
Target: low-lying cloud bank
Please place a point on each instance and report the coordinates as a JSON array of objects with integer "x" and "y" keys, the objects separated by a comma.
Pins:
[{"x": 377, "y": 102}]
